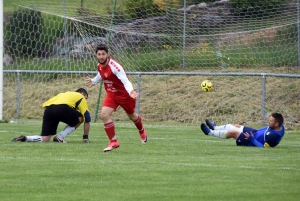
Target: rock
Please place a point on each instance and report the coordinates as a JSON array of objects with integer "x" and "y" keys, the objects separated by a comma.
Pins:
[{"x": 7, "y": 60}]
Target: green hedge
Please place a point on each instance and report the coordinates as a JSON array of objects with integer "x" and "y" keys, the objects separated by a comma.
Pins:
[
  {"x": 141, "y": 9},
  {"x": 23, "y": 33},
  {"x": 257, "y": 6}
]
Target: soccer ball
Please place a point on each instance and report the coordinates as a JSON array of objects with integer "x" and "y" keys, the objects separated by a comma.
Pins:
[{"x": 206, "y": 85}]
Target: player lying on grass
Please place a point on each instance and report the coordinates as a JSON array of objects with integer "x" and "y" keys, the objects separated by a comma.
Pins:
[
  {"x": 119, "y": 92},
  {"x": 268, "y": 136},
  {"x": 70, "y": 108}
]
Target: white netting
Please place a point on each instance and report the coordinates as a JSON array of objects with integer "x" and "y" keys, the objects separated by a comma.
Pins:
[
  {"x": 55, "y": 36},
  {"x": 211, "y": 35}
]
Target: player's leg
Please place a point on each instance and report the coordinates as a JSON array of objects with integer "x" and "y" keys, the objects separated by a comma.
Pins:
[
  {"x": 109, "y": 128},
  {"x": 69, "y": 116},
  {"x": 137, "y": 120},
  {"x": 50, "y": 123},
  {"x": 60, "y": 137},
  {"x": 241, "y": 141},
  {"x": 224, "y": 134},
  {"x": 108, "y": 107},
  {"x": 33, "y": 138},
  {"x": 227, "y": 127},
  {"x": 129, "y": 107},
  {"x": 210, "y": 124},
  {"x": 48, "y": 129},
  {"x": 248, "y": 130}
]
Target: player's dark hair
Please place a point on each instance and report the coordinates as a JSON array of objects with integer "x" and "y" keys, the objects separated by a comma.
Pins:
[
  {"x": 83, "y": 91},
  {"x": 102, "y": 47},
  {"x": 278, "y": 118}
]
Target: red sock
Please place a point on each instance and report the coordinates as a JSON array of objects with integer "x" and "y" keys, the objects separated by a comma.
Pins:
[
  {"x": 110, "y": 131},
  {"x": 138, "y": 123}
]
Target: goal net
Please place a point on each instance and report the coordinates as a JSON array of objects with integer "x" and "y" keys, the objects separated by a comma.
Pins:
[{"x": 49, "y": 48}]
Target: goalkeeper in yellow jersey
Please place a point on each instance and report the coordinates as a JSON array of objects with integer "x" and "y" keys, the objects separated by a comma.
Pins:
[{"x": 70, "y": 108}]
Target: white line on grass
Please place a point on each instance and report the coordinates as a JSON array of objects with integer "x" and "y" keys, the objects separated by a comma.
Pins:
[
  {"x": 207, "y": 165},
  {"x": 224, "y": 166},
  {"x": 161, "y": 163},
  {"x": 295, "y": 145}
]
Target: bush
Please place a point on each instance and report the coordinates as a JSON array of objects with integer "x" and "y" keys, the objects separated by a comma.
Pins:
[
  {"x": 141, "y": 9},
  {"x": 261, "y": 7},
  {"x": 23, "y": 33}
]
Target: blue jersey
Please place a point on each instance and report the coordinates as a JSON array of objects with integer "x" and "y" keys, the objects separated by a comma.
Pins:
[{"x": 267, "y": 137}]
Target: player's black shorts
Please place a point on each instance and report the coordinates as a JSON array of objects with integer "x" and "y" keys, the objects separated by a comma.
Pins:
[
  {"x": 58, "y": 113},
  {"x": 241, "y": 141}
]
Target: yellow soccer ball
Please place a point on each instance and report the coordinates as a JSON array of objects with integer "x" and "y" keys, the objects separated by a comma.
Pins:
[{"x": 206, "y": 85}]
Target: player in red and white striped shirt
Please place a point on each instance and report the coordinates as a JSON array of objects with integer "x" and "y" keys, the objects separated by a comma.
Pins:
[{"x": 119, "y": 92}]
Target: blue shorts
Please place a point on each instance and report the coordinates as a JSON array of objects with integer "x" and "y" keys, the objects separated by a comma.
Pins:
[{"x": 241, "y": 141}]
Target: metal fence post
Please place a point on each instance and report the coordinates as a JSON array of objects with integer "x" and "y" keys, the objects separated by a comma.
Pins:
[
  {"x": 66, "y": 46},
  {"x": 298, "y": 31},
  {"x": 19, "y": 95},
  {"x": 263, "y": 100},
  {"x": 183, "y": 36}
]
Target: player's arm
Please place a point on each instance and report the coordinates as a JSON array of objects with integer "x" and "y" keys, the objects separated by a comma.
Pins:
[
  {"x": 92, "y": 81},
  {"x": 83, "y": 109},
  {"x": 126, "y": 82},
  {"x": 86, "y": 127},
  {"x": 255, "y": 142},
  {"x": 271, "y": 140},
  {"x": 86, "y": 130},
  {"x": 250, "y": 137}
]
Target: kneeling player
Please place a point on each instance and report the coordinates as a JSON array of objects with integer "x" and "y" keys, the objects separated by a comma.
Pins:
[{"x": 70, "y": 108}]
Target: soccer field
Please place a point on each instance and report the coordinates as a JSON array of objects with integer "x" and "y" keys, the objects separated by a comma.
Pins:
[{"x": 177, "y": 163}]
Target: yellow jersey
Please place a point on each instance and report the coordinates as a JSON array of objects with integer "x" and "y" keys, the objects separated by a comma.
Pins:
[{"x": 73, "y": 99}]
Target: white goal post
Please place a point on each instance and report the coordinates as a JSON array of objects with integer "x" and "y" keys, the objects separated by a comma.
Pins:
[{"x": 1, "y": 63}]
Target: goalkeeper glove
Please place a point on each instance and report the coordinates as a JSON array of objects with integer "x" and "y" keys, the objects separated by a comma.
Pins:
[{"x": 85, "y": 139}]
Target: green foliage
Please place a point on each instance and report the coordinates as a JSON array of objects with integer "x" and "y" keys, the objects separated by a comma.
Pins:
[
  {"x": 23, "y": 32},
  {"x": 263, "y": 54},
  {"x": 117, "y": 11},
  {"x": 141, "y": 9},
  {"x": 288, "y": 33},
  {"x": 189, "y": 2},
  {"x": 260, "y": 7}
]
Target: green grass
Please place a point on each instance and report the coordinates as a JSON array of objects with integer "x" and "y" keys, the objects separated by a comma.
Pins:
[
  {"x": 178, "y": 163},
  {"x": 10, "y": 5}
]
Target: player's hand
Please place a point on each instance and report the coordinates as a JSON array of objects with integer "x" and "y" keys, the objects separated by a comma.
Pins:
[
  {"x": 88, "y": 81},
  {"x": 247, "y": 135},
  {"x": 85, "y": 139},
  {"x": 134, "y": 94}
]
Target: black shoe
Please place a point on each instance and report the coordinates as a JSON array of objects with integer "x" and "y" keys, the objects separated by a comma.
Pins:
[
  {"x": 21, "y": 138},
  {"x": 58, "y": 139},
  {"x": 210, "y": 124},
  {"x": 205, "y": 129}
]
